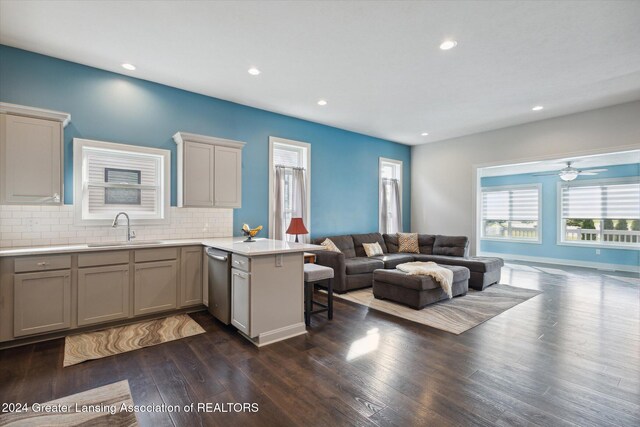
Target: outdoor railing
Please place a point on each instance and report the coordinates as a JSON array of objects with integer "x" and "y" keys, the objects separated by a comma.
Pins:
[{"x": 604, "y": 236}]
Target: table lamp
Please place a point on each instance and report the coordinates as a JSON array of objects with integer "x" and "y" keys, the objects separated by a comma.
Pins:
[{"x": 297, "y": 227}]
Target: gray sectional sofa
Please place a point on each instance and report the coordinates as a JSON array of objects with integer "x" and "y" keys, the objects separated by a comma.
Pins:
[{"x": 354, "y": 270}]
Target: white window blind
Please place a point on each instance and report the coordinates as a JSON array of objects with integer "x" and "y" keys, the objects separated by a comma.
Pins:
[
  {"x": 287, "y": 155},
  {"x": 515, "y": 204},
  {"x": 110, "y": 177},
  {"x": 606, "y": 201}
]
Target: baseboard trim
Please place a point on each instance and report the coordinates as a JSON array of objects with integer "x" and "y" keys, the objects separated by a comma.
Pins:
[
  {"x": 573, "y": 263},
  {"x": 278, "y": 334}
]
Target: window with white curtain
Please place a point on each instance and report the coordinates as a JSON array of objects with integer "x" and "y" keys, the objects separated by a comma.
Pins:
[
  {"x": 290, "y": 186},
  {"x": 390, "y": 196},
  {"x": 512, "y": 213},
  {"x": 600, "y": 212},
  {"x": 110, "y": 177}
]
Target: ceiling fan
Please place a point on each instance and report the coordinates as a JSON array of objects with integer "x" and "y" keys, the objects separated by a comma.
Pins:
[{"x": 570, "y": 173}]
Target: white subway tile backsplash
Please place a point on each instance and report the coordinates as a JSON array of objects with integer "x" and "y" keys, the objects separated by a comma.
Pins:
[{"x": 22, "y": 225}]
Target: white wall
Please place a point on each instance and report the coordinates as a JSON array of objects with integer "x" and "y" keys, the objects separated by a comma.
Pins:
[{"x": 443, "y": 173}]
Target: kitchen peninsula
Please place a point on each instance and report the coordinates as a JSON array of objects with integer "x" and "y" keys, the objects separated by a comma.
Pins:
[{"x": 51, "y": 291}]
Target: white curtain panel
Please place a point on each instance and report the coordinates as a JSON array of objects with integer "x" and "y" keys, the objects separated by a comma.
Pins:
[
  {"x": 391, "y": 207},
  {"x": 279, "y": 226},
  {"x": 299, "y": 200}
]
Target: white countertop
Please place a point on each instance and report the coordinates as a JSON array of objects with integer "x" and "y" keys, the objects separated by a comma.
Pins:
[
  {"x": 229, "y": 244},
  {"x": 260, "y": 246}
]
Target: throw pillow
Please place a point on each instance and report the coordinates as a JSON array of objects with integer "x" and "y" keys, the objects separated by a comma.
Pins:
[
  {"x": 408, "y": 242},
  {"x": 331, "y": 247},
  {"x": 372, "y": 249}
]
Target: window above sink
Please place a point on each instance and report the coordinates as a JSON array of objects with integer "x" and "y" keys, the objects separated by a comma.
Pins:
[{"x": 111, "y": 177}]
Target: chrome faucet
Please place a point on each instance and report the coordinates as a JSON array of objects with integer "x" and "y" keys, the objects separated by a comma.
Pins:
[{"x": 130, "y": 234}]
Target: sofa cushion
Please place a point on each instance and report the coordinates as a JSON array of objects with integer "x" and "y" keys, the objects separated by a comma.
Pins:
[
  {"x": 360, "y": 265},
  {"x": 392, "y": 260},
  {"x": 425, "y": 243},
  {"x": 330, "y": 246},
  {"x": 450, "y": 245},
  {"x": 344, "y": 243},
  {"x": 359, "y": 239},
  {"x": 408, "y": 242},
  {"x": 475, "y": 264},
  {"x": 372, "y": 249}
]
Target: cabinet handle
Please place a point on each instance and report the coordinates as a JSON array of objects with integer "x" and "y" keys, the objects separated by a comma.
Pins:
[
  {"x": 43, "y": 263},
  {"x": 56, "y": 197}
]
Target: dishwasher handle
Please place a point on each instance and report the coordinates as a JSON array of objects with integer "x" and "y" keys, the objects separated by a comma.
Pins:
[{"x": 216, "y": 257}]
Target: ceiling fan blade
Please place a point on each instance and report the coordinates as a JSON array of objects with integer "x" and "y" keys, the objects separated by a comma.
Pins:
[
  {"x": 587, "y": 173},
  {"x": 546, "y": 173},
  {"x": 593, "y": 170}
]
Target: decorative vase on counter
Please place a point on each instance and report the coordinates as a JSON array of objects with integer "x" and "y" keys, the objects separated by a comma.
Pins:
[{"x": 250, "y": 233}]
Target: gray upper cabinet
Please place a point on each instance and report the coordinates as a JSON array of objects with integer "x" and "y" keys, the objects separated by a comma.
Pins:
[
  {"x": 209, "y": 171},
  {"x": 31, "y": 154}
]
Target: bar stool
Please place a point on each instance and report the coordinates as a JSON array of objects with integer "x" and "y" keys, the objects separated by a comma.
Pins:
[{"x": 322, "y": 276}]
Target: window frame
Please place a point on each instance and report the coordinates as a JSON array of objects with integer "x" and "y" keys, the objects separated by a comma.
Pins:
[
  {"x": 306, "y": 147},
  {"x": 561, "y": 222},
  {"x": 398, "y": 166},
  {"x": 79, "y": 191},
  {"x": 538, "y": 187}
]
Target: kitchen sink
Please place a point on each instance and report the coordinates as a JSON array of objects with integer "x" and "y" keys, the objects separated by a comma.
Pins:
[{"x": 142, "y": 242}]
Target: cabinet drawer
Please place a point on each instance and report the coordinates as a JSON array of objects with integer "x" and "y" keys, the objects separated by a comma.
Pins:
[
  {"x": 96, "y": 259},
  {"x": 240, "y": 262},
  {"x": 156, "y": 254},
  {"x": 42, "y": 263}
]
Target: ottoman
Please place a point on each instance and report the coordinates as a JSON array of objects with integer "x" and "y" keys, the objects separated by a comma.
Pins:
[{"x": 417, "y": 291}]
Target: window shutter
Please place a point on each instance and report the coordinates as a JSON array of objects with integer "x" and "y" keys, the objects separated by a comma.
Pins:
[
  {"x": 612, "y": 201},
  {"x": 517, "y": 204}
]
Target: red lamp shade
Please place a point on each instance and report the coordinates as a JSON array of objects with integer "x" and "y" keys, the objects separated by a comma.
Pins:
[{"x": 297, "y": 227}]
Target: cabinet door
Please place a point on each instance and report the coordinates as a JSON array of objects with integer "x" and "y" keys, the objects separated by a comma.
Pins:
[
  {"x": 191, "y": 276},
  {"x": 155, "y": 287},
  {"x": 42, "y": 302},
  {"x": 241, "y": 301},
  {"x": 228, "y": 177},
  {"x": 103, "y": 294},
  {"x": 31, "y": 155},
  {"x": 198, "y": 174}
]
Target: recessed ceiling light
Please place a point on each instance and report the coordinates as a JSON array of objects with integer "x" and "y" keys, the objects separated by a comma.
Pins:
[
  {"x": 448, "y": 44},
  {"x": 537, "y": 108},
  {"x": 254, "y": 71},
  {"x": 424, "y": 133},
  {"x": 129, "y": 67},
  {"x": 322, "y": 102}
]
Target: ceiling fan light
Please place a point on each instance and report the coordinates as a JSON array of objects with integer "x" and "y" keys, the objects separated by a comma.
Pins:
[{"x": 568, "y": 175}]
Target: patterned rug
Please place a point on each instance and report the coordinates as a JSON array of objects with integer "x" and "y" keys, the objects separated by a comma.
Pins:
[
  {"x": 456, "y": 315},
  {"x": 99, "y": 344},
  {"x": 96, "y": 407}
]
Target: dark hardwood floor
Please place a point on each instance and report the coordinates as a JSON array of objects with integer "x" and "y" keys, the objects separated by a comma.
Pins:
[{"x": 570, "y": 356}]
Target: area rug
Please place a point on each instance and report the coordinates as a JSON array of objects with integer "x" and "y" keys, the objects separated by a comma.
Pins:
[
  {"x": 96, "y": 407},
  {"x": 456, "y": 315},
  {"x": 99, "y": 344}
]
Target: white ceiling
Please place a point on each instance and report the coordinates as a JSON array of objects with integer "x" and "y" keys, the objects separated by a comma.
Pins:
[
  {"x": 376, "y": 63},
  {"x": 583, "y": 162}
]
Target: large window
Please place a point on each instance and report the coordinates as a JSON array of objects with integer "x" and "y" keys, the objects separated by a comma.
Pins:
[
  {"x": 110, "y": 178},
  {"x": 601, "y": 212},
  {"x": 512, "y": 213},
  {"x": 290, "y": 186},
  {"x": 390, "y": 198}
]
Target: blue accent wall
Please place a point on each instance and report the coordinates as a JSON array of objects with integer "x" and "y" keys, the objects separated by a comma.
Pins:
[
  {"x": 550, "y": 222},
  {"x": 112, "y": 107}
]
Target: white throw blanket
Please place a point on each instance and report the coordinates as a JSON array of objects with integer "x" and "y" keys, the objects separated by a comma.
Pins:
[{"x": 442, "y": 275}]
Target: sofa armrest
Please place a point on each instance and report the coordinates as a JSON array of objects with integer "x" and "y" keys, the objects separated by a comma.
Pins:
[{"x": 334, "y": 260}]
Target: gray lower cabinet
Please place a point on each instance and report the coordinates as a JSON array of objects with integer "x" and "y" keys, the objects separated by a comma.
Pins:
[
  {"x": 103, "y": 294},
  {"x": 191, "y": 276},
  {"x": 241, "y": 301},
  {"x": 42, "y": 302},
  {"x": 155, "y": 287}
]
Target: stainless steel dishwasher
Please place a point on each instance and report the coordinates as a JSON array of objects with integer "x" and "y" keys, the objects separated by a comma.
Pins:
[{"x": 219, "y": 265}]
